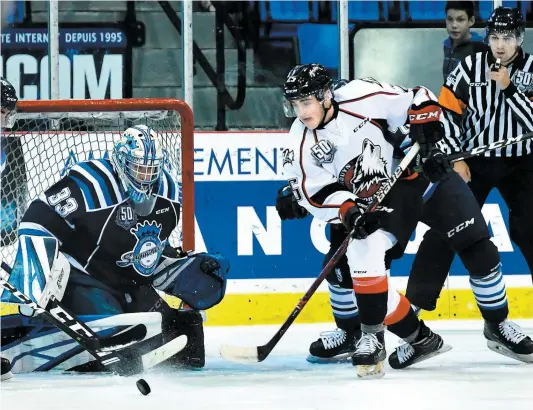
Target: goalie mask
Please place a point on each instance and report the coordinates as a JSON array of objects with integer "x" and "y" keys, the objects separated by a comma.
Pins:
[{"x": 138, "y": 158}]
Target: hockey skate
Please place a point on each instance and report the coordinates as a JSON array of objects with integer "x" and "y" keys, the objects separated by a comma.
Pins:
[
  {"x": 426, "y": 345},
  {"x": 369, "y": 355},
  {"x": 335, "y": 346},
  {"x": 6, "y": 369},
  {"x": 507, "y": 338}
]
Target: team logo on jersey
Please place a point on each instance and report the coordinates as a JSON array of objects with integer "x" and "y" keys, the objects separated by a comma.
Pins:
[
  {"x": 288, "y": 156},
  {"x": 364, "y": 174},
  {"x": 147, "y": 251},
  {"x": 126, "y": 217},
  {"x": 323, "y": 152},
  {"x": 523, "y": 81}
]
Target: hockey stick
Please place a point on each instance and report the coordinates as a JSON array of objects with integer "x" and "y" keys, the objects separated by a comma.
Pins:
[
  {"x": 104, "y": 349},
  {"x": 260, "y": 353},
  {"x": 459, "y": 156},
  {"x": 68, "y": 323}
]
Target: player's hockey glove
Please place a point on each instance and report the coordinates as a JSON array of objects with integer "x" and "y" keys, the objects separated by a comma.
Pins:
[
  {"x": 362, "y": 224},
  {"x": 287, "y": 206},
  {"x": 426, "y": 128},
  {"x": 436, "y": 167}
]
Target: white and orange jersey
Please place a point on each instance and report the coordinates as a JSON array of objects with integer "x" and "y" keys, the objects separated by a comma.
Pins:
[{"x": 348, "y": 158}]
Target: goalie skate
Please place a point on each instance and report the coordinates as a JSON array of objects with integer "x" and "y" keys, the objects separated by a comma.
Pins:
[
  {"x": 334, "y": 346},
  {"x": 506, "y": 338},
  {"x": 369, "y": 355}
]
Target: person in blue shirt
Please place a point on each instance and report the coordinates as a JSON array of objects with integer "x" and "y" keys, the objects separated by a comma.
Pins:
[{"x": 461, "y": 42}]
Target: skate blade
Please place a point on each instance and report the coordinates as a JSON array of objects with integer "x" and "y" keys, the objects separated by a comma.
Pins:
[
  {"x": 375, "y": 371},
  {"x": 444, "y": 348},
  {"x": 504, "y": 351},
  {"x": 340, "y": 358}
]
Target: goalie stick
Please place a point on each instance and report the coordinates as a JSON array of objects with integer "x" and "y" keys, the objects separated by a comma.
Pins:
[
  {"x": 112, "y": 351},
  {"x": 259, "y": 353},
  {"x": 102, "y": 348}
]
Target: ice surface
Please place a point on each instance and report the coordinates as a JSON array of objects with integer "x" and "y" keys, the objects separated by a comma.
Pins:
[{"x": 469, "y": 377}]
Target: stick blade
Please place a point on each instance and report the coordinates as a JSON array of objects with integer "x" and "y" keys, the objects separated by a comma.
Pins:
[{"x": 240, "y": 354}]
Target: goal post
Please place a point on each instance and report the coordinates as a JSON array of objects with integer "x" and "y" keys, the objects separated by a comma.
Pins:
[{"x": 50, "y": 136}]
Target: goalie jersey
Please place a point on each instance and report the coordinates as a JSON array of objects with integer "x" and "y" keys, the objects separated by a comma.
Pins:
[
  {"x": 349, "y": 157},
  {"x": 88, "y": 212}
]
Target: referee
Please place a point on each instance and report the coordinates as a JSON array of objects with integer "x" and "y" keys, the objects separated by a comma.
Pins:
[{"x": 486, "y": 103}]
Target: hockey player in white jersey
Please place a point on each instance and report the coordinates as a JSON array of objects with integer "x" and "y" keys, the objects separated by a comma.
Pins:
[
  {"x": 335, "y": 160},
  {"x": 106, "y": 227},
  {"x": 449, "y": 208}
]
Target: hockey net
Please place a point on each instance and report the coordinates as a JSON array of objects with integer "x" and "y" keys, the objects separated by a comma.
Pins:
[{"x": 49, "y": 137}]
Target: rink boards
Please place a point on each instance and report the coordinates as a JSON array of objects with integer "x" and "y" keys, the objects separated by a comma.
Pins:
[{"x": 272, "y": 263}]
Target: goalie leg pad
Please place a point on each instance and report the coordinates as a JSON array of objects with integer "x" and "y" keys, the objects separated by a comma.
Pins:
[
  {"x": 40, "y": 270},
  {"x": 199, "y": 281}
]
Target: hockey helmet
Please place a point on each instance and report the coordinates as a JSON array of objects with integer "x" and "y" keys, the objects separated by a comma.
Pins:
[
  {"x": 138, "y": 158},
  {"x": 9, "y": 101},
  {"x": 303, "y": 81},
  {"x": 506, "y": 20}
]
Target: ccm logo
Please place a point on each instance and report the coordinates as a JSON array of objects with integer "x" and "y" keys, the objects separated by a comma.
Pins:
[
  {"x": 162, "y": 211},
  {"x": 460, "y": 227},
  {"x": 479, "y": 84},
  {"x": 424, "y": 116}
]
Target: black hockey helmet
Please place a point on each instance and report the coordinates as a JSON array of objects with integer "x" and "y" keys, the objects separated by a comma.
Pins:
[
  {"x": 9, "y": 95},
  {"x": 305, "y": 80},
  {"x": 506, "y": 19}
]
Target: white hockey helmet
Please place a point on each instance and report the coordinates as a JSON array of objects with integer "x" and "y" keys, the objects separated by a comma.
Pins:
[{"x": 138, "y": 158}]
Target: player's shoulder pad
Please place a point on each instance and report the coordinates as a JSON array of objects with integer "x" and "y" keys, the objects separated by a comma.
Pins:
[
  {"x": 98, "y": 182},
  {"x": 361, "y": 88},
  {"x": 168, "y": 186}
]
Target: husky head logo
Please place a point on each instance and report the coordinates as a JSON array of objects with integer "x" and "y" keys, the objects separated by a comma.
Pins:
[
  {"x": 364, "y": 174},
  {"x": 147, "y": 250}
]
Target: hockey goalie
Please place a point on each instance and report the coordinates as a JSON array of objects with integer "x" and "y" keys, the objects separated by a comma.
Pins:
[{"x": 98, "y": 242}]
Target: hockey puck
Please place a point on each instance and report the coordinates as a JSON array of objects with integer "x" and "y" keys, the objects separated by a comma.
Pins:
[{"x": 143, "y": 387}]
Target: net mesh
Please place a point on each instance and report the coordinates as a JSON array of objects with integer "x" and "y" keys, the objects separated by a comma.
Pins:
[{"x": 41, "y": 147}]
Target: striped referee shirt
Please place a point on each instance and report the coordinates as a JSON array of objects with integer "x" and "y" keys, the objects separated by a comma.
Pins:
[{"x": 479, "y": 112}]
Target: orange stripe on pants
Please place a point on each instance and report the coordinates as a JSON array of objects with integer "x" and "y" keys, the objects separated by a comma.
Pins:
[
  {"x": 401, "y": 311},
  {"x": 377, "y": 284}
]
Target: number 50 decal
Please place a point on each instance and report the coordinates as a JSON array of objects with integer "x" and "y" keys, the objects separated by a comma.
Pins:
[
  {"x": 293, "y": 182},
  {"x": 68, "y": 206}
]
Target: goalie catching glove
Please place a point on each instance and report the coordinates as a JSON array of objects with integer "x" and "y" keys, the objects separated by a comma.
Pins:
[{"x": 199, "y": 280}]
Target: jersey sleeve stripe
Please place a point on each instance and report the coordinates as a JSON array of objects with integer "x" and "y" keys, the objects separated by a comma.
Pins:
[
  {"x": 173, "y": 189},
  {"x": 87, "y": 196},
  {"x": 99, "y": 184},
  {"x": 33, "y": 229},
  {"x": 448, "y": 100},
  {"x": 366, "y": 96},
  {"x": 107, "y": 169},
  {"x": 163, "y": 187}
]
